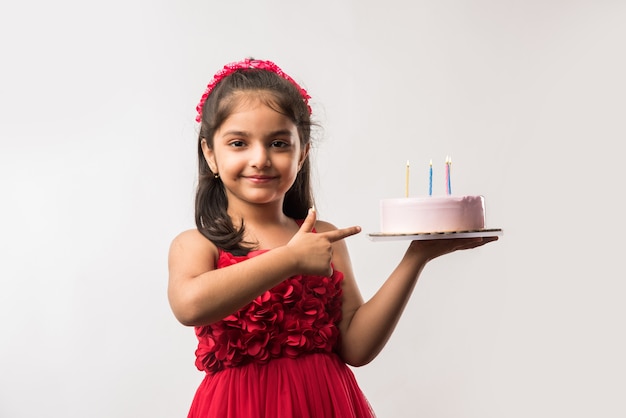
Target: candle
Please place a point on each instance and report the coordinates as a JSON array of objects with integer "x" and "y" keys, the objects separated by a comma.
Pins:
[
  {"x": 450, "y": 175},
  {"x": 448, "y": 183},
  {"x": 406, "y": 180},
  {"x": 430, "y": 179}
]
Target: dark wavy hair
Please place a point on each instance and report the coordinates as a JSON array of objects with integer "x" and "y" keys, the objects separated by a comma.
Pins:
[{"x": 212, "y": 219}]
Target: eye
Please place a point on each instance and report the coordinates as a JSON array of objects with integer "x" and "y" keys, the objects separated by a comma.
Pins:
[
  {"x": 237, "y": 143},
  {"x": 279, "y": 144}
]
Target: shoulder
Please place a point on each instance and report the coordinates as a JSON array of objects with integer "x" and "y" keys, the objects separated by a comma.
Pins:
[
  {"x": 323, "y": 226},
  {"x": 192, "y": 243}
]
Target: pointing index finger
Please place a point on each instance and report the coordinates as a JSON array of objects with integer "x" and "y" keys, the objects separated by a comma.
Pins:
[{"x": 339, "y": 234}]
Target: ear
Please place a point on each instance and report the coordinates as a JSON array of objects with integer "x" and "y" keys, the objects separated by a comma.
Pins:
[
  {"x": 209, "y": 156},
  {"x": 303, "y": 155}
]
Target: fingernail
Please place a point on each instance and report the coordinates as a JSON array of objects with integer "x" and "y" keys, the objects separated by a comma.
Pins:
[{"x": 312, "y": 209}]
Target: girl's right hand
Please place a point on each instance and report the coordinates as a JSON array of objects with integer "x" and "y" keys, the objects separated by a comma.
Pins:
[{"x": 313, "y": 252}]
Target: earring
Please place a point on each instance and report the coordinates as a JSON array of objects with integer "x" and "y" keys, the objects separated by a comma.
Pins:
[{"x": 216, "y": 175}]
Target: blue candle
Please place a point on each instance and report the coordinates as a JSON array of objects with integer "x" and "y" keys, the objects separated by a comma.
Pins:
[{"x": 430, "y": 179}]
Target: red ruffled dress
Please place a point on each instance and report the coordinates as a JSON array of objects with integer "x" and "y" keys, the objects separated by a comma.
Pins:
[{"x": 276, "y": 357}]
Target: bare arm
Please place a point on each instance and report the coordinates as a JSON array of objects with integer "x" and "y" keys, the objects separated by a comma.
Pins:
[
  {"x": 200, "y": 294},
  {"x": 366, "y": 327}
]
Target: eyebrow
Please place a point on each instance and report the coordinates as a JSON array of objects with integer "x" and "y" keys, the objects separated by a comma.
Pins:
[{"x": 247, "y": 134}]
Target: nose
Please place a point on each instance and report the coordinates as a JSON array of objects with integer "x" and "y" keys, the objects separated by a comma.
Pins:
[{"x": 259, "y": 157}]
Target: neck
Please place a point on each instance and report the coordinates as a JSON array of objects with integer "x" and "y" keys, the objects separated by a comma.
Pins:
[
  {"x": 267, "y": 214},
  {"x": 265, "y": 225}
]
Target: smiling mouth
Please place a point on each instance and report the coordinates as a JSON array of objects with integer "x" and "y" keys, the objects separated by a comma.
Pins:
[{"x": 260, "y": 179}]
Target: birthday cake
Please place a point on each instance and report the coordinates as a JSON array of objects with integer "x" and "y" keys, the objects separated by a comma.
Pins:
[{"x": 432, "y": 214}]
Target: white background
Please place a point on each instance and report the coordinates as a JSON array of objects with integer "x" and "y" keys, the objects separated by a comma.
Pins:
[{"x": 97, "y": 175}]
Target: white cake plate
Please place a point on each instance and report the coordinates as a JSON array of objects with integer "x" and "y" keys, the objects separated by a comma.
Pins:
[{"x": 425, "y": 236}]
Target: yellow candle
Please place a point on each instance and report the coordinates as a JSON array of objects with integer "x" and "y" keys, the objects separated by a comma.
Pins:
[{"x": 406, "y": 182}]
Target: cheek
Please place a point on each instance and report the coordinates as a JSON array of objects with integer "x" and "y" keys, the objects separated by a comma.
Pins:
[{"x": 291, "y": 163}]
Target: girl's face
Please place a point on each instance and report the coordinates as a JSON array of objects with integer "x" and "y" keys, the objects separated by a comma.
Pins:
[{"x": 257, "y": 154}]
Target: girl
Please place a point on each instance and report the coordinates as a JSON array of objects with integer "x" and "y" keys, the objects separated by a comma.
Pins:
[{"x": 268, "y": 287}]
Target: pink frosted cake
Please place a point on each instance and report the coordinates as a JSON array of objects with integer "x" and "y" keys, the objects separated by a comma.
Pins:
[{"x": 432, "y": 214}]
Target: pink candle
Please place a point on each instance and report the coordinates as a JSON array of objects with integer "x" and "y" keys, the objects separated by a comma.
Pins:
[{"x": 449, "y": 166}]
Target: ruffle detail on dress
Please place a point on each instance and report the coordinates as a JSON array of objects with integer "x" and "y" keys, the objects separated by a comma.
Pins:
[{"x": 299, "y": 315}]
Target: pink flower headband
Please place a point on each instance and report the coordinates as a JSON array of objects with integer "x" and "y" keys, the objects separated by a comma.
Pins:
[{"x": 247, "y": 64}]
